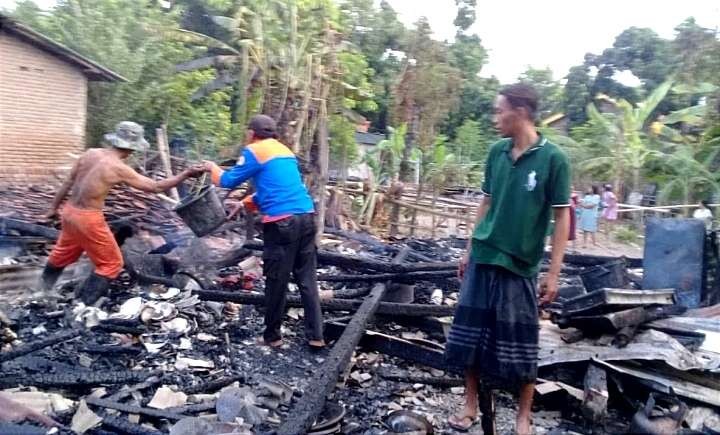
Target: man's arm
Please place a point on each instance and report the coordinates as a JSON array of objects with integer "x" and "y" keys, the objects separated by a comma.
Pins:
[
  {"x": 481, "y": 212},
  {"x": 549, "y": 286},
  {"x": 246, "y": 167},
  {"x": 140, "y": 182},
  {"x": 63, "y": 191}
]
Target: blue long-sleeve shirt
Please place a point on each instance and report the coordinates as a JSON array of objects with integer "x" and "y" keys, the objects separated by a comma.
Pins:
[{"x": 274, "y": 171}]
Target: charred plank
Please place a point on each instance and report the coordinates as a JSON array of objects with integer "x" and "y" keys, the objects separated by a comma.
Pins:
[
  {"x": 123, "y": 426},
  {"x": 330, "y": 258},
  {"x": 393, "y": 346},
  {"x": 385, "y": 308},
  {"x": 408, "y": 278},
  {"x": 40, "y": 344},
  {"x": 214, "y": 385},
  {"x": 132, "y": 409},
  {"x": 76, "y": 379}
]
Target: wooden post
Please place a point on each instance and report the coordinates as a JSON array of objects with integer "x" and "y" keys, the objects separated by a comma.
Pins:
[{"x": 164, "y": 151}]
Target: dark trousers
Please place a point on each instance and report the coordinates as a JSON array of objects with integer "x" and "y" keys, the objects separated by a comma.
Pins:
[{"x": 290, "y": 248}]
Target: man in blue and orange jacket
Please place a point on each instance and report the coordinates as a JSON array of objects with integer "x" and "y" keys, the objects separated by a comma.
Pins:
[{"x": 288, "y": 225}]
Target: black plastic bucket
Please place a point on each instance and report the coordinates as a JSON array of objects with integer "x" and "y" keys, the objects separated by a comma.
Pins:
[
  {"x": 608, "y": 275},
  {"x": 203, "y": 212}
]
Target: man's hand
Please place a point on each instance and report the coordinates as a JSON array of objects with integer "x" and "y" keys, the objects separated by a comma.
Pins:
[
  {"x": 463, "y": 265},
  {"x": 195, "y": 171},
  {"x": 548, "y": 288},
  {"x": 208, "y": 165}
]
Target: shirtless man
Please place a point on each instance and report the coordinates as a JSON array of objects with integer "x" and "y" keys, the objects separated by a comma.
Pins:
[{"x": 83, "y": 224}]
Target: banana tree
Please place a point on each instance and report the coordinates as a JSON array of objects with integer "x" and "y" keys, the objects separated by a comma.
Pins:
[
  {"x": 693, "y": 158},
  {"x": 384, "y": 163},
  {"x": 632, "y": 146}
]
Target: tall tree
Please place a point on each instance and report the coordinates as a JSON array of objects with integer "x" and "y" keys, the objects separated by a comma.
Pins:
[{"x": 548, "y": 88}]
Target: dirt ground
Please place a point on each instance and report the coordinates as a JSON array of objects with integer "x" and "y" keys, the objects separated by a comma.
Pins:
[{"x": 605, "y": 246}]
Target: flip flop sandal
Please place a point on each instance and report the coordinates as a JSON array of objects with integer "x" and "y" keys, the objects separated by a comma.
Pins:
[{"x": 462, "y": 427}]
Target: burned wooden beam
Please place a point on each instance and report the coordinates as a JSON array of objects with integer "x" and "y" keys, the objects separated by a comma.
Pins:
[
  {"x": 75, "y": 379},
  {"x": 440, "y": 382},
  {"x": 214, "y": 385},
  {"x": 596, "y": 260},
  {"x": 408, "y": 278},
  {"x": 40, "y": 344},
  {"x": 368, "y": 264},
  {"x": 304, "y": 413},
  {"x": 28, "y": 229},
  {"x": 369, "y": 240},
  {"x": 123, "y": 426},
  {"x": 127, "y": 392},
  {"x": 385, "y": 308},
  {"x": 132, "y": 409},
  {"x": 393, "y": 346}
]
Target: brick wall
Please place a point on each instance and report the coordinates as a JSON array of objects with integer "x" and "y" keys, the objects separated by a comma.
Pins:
[{"x": 43, "y": 103}]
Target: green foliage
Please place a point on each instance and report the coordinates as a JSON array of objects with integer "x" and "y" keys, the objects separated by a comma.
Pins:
[
  {"x": 625, "y": 234},
  {"x": 385, "y": 158},
  {"x": 548, "y": 88},
  {"x": 343, "y": 147}
]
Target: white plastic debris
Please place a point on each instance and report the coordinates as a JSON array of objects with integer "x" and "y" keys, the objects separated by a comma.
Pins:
[
  {"x": 157, "y": 311},
  {"x": 180, "y": 325},
  {"x": 88, "y": 316},
  {"x": 84, "y": 419},
  {"x": 169, "y": 293},
  {"x": 437, "y": 297},
  {"x": 183, "y": 363},
  {"x": 166, "y": 398},
  {"x": 130, "y": 309}
]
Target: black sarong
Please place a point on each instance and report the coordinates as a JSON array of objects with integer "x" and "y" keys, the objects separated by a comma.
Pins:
[{"x": 495, "y": 329}]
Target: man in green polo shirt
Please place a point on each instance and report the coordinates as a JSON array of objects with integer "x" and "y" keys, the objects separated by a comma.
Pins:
[{"x": 495, "y": 332}]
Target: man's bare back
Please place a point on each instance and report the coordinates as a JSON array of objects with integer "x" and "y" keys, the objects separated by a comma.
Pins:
[{"x": 98, "y": 170}]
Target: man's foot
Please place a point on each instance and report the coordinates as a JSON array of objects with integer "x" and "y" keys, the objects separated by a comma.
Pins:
[
  {"x": 462, "y": 422},
  {"x": 274, "y": 344},
  {"x": 523, "y": 426},
  {"x": 316, "y": 345}
]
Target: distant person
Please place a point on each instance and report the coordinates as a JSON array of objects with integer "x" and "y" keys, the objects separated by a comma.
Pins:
[
  {"x": 704, "y": 213},
  {"x": 574, "y": 208},
  {"x": 610, "y": 209},
  {"x": 589, "y": 214},
  {"x": 83, "y": 226},
  {"x": 494, "y": 336}
]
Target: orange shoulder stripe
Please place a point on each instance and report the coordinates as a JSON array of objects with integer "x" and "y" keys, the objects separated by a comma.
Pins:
[{"x": 268, "y": 149}]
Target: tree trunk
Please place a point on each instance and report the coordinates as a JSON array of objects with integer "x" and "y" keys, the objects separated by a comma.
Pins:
[{"x": 323, "y": 160}]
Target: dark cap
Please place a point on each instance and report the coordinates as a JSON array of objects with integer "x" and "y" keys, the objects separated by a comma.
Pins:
[{"x": 263, "y": 126}]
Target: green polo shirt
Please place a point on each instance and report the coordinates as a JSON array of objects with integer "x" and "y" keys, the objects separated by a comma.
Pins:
[{"x": 523, "y": 195}]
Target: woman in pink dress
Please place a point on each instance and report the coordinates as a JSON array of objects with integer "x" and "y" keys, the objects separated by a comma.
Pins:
[{"x": 610, "y": 210}]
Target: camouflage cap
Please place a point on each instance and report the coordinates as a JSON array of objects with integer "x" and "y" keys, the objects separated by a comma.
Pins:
[{"x": 128, "y": 136}]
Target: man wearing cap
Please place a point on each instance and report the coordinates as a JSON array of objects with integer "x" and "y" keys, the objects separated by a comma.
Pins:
[
  {"x": 83, "y": 226},
  {"x": 288, "y": 225}
]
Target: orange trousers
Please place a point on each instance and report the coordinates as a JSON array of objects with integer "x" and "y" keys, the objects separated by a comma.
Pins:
[{"x": 86, "y": 231}]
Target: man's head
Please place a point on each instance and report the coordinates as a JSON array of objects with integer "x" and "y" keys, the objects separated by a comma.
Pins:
[
  {"x": 128, "y": 137},
  {"x": 515, "y": 109},
  {"x": 261, "y": 127}
]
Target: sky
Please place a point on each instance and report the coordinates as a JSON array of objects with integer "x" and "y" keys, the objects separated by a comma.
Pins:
[
  {"x": 555, "y": 33},
  {"x": 550, "y": 33}
]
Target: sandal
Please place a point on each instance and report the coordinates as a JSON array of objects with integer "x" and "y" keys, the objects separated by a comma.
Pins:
[{"x": 462, "y": 424}]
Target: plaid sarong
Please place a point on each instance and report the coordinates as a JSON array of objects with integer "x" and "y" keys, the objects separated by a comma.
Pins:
[{"x": 495, "y": 329}]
